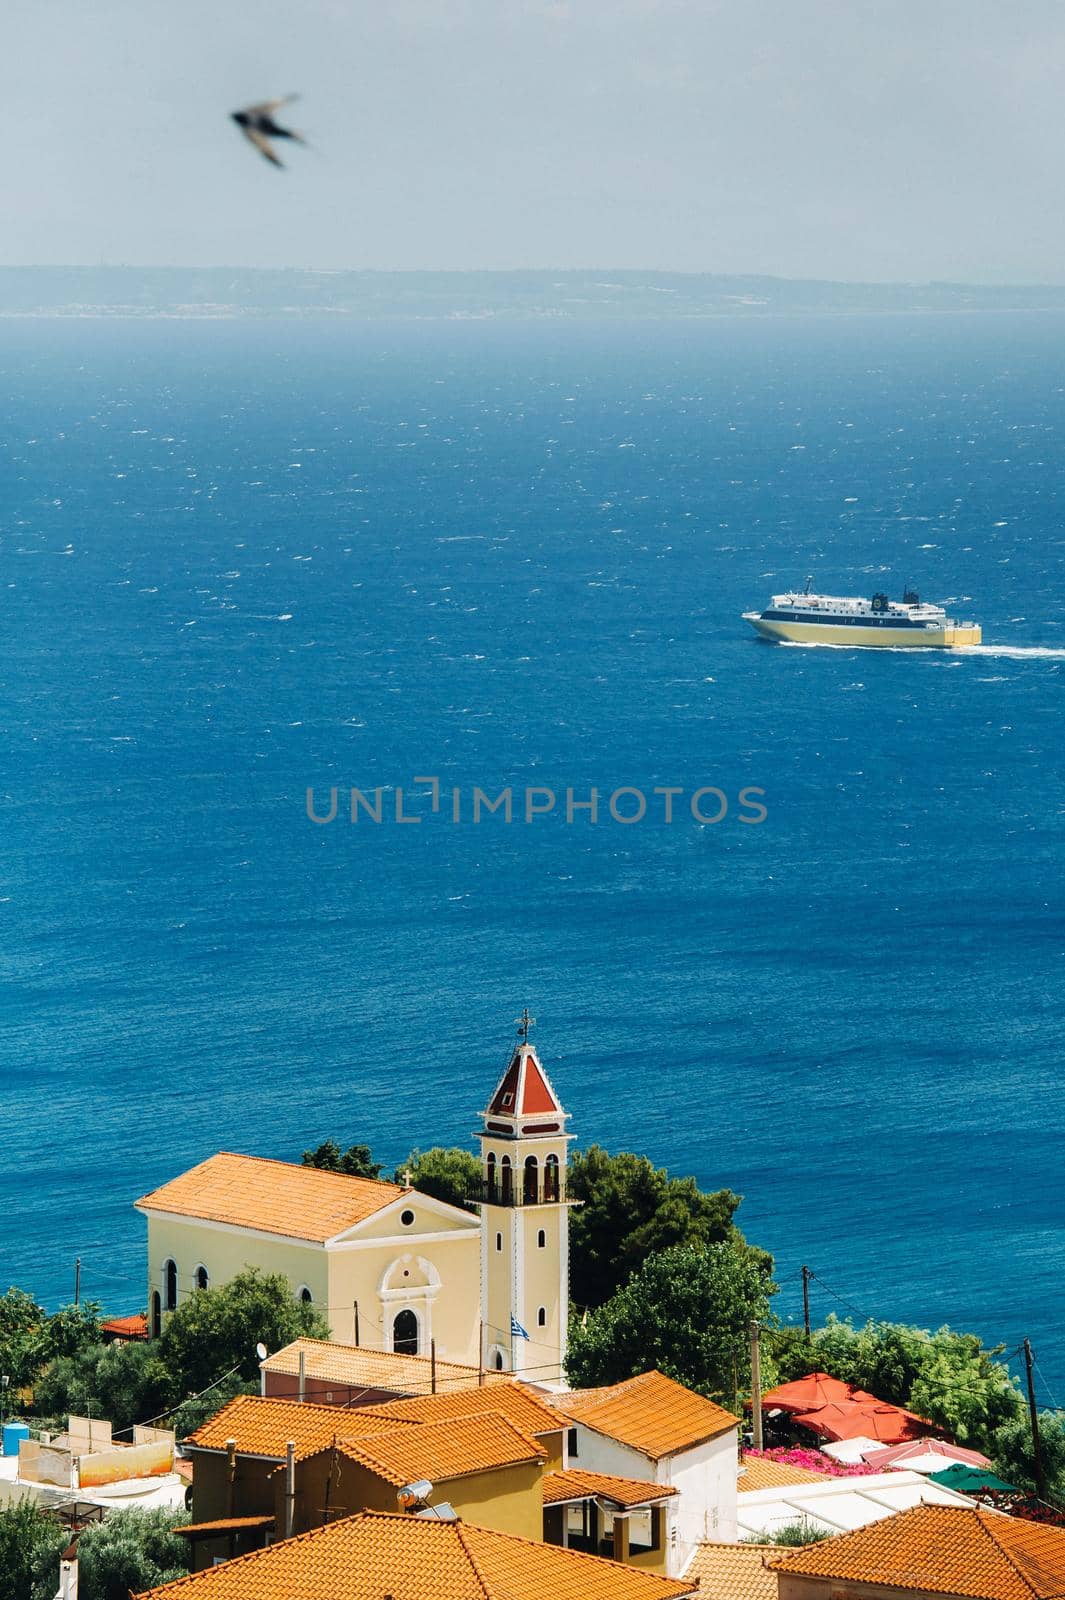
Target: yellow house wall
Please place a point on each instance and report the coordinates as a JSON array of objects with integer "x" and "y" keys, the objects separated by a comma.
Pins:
[
  {"x": 509, "y": 1499},
  {"x": 225, "y": 1252}
]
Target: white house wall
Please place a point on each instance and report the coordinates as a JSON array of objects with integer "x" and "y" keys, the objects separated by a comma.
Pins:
[{"x": 704, "y": 1506}]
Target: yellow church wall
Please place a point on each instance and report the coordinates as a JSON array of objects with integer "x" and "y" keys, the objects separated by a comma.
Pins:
[
  {"x": 442, "y": 1289},
  {"x": 427, "y": 1220},
  {"x": 225, "y": 1252}
]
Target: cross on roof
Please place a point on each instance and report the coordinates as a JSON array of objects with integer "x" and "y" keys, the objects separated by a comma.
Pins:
[{"x": 524, "y": 1023}]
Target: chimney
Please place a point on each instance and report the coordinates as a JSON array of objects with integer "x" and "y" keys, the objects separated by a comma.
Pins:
[{"x": 68, "y": 1572}]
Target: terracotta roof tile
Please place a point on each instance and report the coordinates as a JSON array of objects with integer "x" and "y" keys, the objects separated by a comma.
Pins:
[
  {"x": 759, "y": 1473},
  {"x": 529, "y": 1413},
  {"x": 263, "y": 1427},
  {"x": 440, "y": 1451},
  {"x": 650, "y": 1413},
  {"x": 576, "y": 1484},
  {"x": 733, "y": 1571},
  {"x": 381, "y": 1553},
  {"x": 272, "y": 1196},
  {"x": 353, "y": 1366},
  {"x": 944, "y": 1550}
]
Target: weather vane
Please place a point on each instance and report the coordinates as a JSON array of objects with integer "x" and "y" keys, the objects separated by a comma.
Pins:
[{"x": 525, "y": 1022}]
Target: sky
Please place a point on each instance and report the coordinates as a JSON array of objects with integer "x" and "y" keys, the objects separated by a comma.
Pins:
[{"x": 894, "y": 140}]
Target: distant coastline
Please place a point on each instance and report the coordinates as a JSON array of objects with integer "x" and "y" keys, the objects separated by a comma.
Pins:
[{"x": 224, "y": 293}]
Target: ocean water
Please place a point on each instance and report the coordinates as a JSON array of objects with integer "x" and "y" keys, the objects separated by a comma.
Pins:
[{"x": 240, "y": 560}]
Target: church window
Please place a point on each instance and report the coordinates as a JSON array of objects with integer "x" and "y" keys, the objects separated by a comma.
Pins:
[
  {"x": 531, "y": 1186},
  {"x": 499, "y": 1360},
  {"x": 201, "y": 1277},
  {"x": 170, "y": 1285},
  {"x": 508, "y": 1181},
  {"x": 405, "y": 1334},
  {"x": 541, "y": 1317},
  {"x": 156, "y": 1314},
  {"x": 305, "y": 1297},
  {"x": 551, "y": 1183},
  {"x": 499, "y": 1241},
  {"x": 541, "y": 1240},
  {"x": 508, "y": 1101},
  {"x": 407, "y": 1218}
]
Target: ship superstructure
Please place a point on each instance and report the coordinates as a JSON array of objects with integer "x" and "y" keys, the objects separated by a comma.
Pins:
[{"x": 910, "y": 623}]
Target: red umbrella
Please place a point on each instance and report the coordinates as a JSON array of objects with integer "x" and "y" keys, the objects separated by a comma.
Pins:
[
  {"x": 817, "y": 1389},
  {"x": 853, "y": 1419},
  {"x": 898, "y": 1455}
]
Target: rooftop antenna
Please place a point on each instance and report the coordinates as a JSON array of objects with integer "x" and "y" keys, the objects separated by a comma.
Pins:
[{"x": 524, "y": 1023}]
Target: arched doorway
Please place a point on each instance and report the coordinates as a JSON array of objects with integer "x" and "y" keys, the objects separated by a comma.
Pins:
[
  {"x": 405, "y": 1333},
  {"x": 531, "y": 1181},
  {"x": 551, "y": 1183},
  {"x": 508, "y": 1181}
]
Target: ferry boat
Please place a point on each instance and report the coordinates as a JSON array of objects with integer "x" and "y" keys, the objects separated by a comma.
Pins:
[{"x": 909, "y": 623}]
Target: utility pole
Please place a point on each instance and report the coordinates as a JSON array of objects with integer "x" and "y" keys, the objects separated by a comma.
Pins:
[
  {"x": 1033, "y": 1412},
  {"x": 77, "y": 1280},
  {"x": 756, "y": 1384},
  {"x": 432, "y": 1365},
  {"x": 356, "y": 1322},
  {"x": 806, "y": 1300}
]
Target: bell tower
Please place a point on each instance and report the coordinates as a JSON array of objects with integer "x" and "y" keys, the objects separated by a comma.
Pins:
[{"x": 524, "y": 1220}]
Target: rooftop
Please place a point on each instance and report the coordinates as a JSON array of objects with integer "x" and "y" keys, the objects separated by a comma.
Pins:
[
  {"x": 560, "y": 1488},
  {"x": 263, "y": 1427},
  {"x": 380, "y": 1553},
  {"x": 757, "y": 1472},
  {"x": 650, "y": 1413},
  {"x": 524, "y": 1409},
  {"x": 442, "y": 1450},
  {"x": 839, "y": 1505},
  {"x": 524, "y": 1089},
  {"x": 272, "y": 1197},
  {"x": 733, "y": 1571},
  {"x": 944, "y": 1550},
  {"x": 353, "y": 1366}
]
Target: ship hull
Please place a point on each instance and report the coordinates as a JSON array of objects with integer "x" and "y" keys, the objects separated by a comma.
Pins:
[{"x": 867, "y": 638}]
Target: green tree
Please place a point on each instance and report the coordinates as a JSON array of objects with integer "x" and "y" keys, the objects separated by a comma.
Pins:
[
  {"x": 217, "y": 1329},
  {"x": 944, "y": 1375},
  {"x": 356, "y": 1161},
  {"x": 31, "y": 1543},
  {"x": 126, "y": 1383},
  {"x": 686, "y": 1311},
  {"x": 792, "y": 1534},
  {"x": 129, "y": 1552},
  {"x": 1014, "y": 1457},
  {"x": 71, "y": 1329},
  {"x": 631, "y": 1210},
  {"x": 451, "y": 1174},
  {"x": 21, "y": 1323}
]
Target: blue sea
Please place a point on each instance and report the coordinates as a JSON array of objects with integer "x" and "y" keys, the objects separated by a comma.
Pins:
[{"x": 241, "y": 560}]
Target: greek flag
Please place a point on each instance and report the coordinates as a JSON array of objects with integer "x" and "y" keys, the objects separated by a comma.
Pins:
[{"x": 516, "y": 1329}]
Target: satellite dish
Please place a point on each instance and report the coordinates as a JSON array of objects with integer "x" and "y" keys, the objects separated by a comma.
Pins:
[{"x": 260, "y": 1350}]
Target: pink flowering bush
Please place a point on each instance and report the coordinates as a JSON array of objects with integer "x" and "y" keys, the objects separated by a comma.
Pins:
[{"x": 798, "y": 1455}]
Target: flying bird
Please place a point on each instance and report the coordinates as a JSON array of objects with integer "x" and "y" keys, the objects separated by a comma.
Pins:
[{"x": 257, "y": 125}]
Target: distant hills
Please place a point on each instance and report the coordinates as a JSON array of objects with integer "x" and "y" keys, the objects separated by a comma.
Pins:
[{"x": 298, "y": 292}]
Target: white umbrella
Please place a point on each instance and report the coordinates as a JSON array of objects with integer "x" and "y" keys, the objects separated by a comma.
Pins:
[{"x": 851, "y": 1451}]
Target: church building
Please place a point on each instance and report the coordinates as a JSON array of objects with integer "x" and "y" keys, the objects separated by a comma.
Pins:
[{"x": 391, "y": 1268}]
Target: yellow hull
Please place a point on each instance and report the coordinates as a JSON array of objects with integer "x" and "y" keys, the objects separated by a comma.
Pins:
[{"x": 867, "y": 638}]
